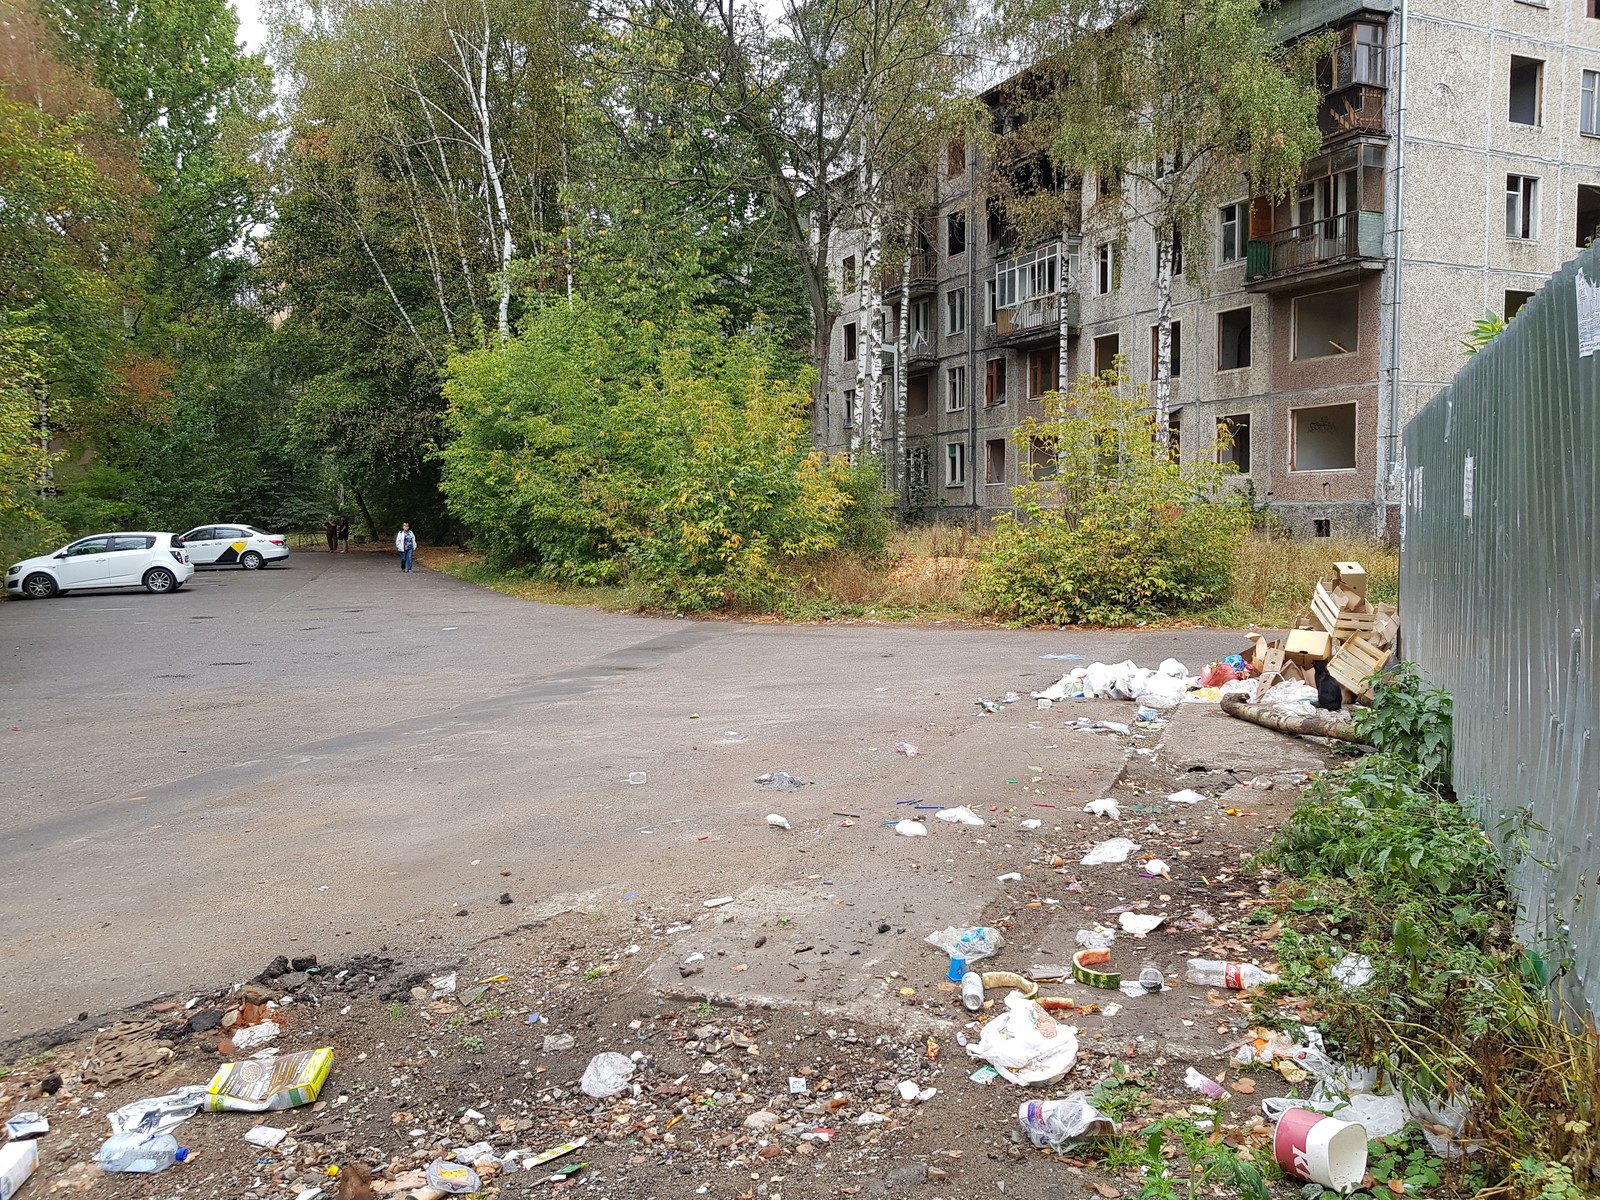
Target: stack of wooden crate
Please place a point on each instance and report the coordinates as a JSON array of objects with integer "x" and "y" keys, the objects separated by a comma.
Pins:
[
  {"x": 1352, "y": 636},
  {"x": 1363, "y": 634}
]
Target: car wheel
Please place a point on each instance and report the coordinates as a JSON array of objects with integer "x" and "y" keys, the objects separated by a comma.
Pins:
[
  {"x": 158, "y": 580},
  {"x": 39, "y": 586},
  {"x": 250, "y": 560}
]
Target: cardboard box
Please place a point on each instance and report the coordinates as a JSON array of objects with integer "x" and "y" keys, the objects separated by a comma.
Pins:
[
  {"x": 18, "y": 1162},
  {"x": 1313, "y": 645},
  {"x": 1353, "y": 576}
]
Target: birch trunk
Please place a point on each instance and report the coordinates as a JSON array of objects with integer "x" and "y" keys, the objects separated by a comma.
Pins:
[
  {"x": 902, "y": 353},
  {"x": 475, "y": 72},
  {"x": 869, "y": 370},
  {"x": 1163, "y": 388}
]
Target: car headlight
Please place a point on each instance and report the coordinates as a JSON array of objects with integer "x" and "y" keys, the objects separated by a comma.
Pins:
[{"x": 16, "y": 570}]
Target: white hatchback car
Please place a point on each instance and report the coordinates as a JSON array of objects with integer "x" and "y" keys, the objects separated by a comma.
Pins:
[
  {"x": 234, "y": 545},
  {"x": 153, "y": 561}
]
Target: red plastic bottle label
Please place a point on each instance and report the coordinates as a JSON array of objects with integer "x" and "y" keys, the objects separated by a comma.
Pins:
[{"x": 1230, "y": 976}]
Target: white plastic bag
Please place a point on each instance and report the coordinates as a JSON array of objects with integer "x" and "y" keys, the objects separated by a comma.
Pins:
[
  {"x": 1162, "y": 691},
  {"x": 1104, "y": 808},
  {"x": 1114, "y": 851},
  {"x": 1171, "y": 666},
  {"x": 910, "y": 828},
  {"x": 606, "y": 1075},
  {"x": 1026, "y": 1044},
  {"x": 961, "y": 815}
]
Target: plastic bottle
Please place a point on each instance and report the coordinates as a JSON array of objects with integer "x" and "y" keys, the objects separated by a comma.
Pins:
[
  {"x": 1238, "y": 976},
  {"x": 142, "y": 1153},
  {"x": 972, "y": 991}
]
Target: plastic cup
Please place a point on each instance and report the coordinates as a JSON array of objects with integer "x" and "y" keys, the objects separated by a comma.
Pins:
[
  {"x": 1321, "y": 1149},
  {"x": 958, "y": 968}
]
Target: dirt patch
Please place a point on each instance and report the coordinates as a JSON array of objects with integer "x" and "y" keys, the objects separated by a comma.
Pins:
[
  {"x": 919, "y": 569},
  {"x": 773, "y": 1064}
]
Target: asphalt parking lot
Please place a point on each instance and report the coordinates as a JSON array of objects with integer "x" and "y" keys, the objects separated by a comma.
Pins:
[{"x": 338, "y": 756}]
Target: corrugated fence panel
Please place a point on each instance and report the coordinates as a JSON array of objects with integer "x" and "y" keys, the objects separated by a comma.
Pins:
[{"x": 1500, "y": 579}]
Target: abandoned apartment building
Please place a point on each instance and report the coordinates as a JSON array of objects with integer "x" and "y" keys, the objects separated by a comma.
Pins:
[{"x": 1460, "y": 168}]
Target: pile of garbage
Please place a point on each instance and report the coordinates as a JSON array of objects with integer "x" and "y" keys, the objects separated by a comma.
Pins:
[{"x": 1165, "y": 687}]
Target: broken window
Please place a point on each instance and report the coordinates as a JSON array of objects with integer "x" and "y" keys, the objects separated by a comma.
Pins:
[
  {"x": 1233, "y": 442},
  {"x": 1326, "y": 323},
  {"x": 1234, "y": 227},
  {"x": 1588, "y": 214},
  {"x": 994, "y": 381},
  {"x": 1589, "y": 104},
  {"x": 955, "y": 234},
  {"x": 988, "y": 302},
  {"x": 1043, "y": 373},
  {"x": 955, "y": 389},
  {"x": 955, "y": 158},
  {"x": 1174, "y": 433},
  {"x": 917, "y": 395},
  {"x": 955, "y": 310},
  {"x": 1321, "y": 527},
  {"x": 849, "y": 273},
  {"x": 850, "y": 341},
  {"x": 995, "y": 220},
  {"x": 1105, "y": 268},
  {"x": 849, "y": 408},
  {"x": 1233, "y": 339},
  {"x": 1106, "y": 349},
  {"x": 994, "y": 460},
  {"x": 1515, "y": 301},
  {"x": 1042, "y": 460},
  {"x": 918, "y": 466},
  {"x": 1522, "y": 207},
  {"x": 1323, "y": 439},
  {"x": 1177, "y": 349},
  {"x": 955, "y": 464},
  {"x": 1527, "y": 90}
]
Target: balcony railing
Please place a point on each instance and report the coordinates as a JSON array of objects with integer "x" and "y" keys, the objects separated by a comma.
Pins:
[
  {"x": 924, "y": 273},
  {"x": 1350, "y": 110},
  {"x": 1348, "y": 237},
  {"x": 921, "y": 348},
  {"x": 1035, "y": 316}
]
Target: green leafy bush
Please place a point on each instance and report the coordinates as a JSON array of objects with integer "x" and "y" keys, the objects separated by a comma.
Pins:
[
  {"x": 1114, "y": 531},
  {"x": 594, "y": 449},
  {"x": 1409, "y": 720}
]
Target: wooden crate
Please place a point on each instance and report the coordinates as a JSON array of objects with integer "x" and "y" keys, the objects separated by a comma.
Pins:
[
  {"x": 1355, "y": 660},
  {"x": 1328, "y": 609}
]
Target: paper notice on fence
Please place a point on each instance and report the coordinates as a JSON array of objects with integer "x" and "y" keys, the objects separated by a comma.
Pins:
[{"x": 1588, "y": 297}]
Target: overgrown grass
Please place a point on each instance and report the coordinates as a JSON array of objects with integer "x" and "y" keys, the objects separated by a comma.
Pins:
[
  {"x": 1380, "y": 861},
  {"x": 925, "y": 574},
  {"x": 1274, "y": 576}
]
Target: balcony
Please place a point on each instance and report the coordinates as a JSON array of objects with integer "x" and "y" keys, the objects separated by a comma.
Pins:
[
  {"x": 921, "y": 351},
  {"x": 1348, "y": 244},
  {"x": 924, "y": 274},
  {"x": 1351, "y": 110},
  {"x": 1036, "y": 319}
]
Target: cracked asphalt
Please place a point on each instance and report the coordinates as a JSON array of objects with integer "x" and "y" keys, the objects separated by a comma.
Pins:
[{"x": 338, "y": 756}]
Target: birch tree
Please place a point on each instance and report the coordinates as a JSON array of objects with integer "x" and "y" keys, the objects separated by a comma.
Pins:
[
  {"x": 1178, "y": 104},
  {"x": 831, "y": 99}
]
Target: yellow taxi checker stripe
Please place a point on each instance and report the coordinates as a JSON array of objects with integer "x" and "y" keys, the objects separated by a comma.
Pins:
[{"x": 236, "y": 547}]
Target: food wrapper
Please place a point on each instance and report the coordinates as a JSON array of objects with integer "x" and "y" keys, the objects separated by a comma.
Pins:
[{"x": 267, "y": 1085}]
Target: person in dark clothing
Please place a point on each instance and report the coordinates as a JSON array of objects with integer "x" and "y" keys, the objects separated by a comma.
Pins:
[
  {"x": 344, "y": 534},
  {"x": 331, "y": 528}
]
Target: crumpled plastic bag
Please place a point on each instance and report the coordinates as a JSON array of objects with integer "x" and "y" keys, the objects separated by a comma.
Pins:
[
  {"x": 1026, "y": 1044},
  {"x": 158, "y": 1114},
  {"x": 1442, "y": 1124},
  {"x": 606, "y": 1075},
  {"x": 1163, "y": 691},
  {"x": 1172, "y": 667},
  {"x": 972, "y": 944},
  {"x": 1057, "y": 1123},
  {"x": 1114, "y": 851},
  {"x": 1291, "y": 698},
  {"x": 1104, "y": 808},
  {"x": 1241, "y": 687},
  {"x": 960, "y": 815}
]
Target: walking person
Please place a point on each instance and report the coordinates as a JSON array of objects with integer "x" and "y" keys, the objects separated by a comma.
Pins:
[
  {"x": 331, "y": 528},
  {"x": 406, "y": 542},
  {"x": 344, "y": 534}
]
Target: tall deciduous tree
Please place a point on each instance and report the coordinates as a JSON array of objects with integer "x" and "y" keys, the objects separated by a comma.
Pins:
[
  {"x": 1177, "y": 101},
  {"x": 832, "y": 100}
]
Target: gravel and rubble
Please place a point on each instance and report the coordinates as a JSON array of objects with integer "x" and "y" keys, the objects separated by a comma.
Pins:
[{"x": 801, "y": 1041}]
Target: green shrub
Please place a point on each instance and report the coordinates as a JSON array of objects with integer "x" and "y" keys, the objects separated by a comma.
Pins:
[
  {"x": 1410, "y": 721},
  {"x": 596, "y": 449},
  {"x": 868, "y": 520},
  {"x": 1115, "y": 532}
]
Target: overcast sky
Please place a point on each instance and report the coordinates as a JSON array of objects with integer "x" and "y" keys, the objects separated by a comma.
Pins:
[{"x": 251, "y": 32}]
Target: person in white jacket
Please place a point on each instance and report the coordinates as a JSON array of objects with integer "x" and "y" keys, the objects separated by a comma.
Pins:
[{"x": 406, "y": 542}]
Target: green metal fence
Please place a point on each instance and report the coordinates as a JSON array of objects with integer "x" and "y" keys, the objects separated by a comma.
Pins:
[{"x": 1500, "y": 583}]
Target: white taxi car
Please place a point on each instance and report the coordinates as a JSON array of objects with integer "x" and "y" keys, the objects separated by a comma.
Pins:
[
  {"x": 234, "y": 545},
  {"x": 153, "y": 561}
]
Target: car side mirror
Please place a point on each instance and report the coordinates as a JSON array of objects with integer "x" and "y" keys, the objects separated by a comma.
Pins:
[{"x": 63, "y": 554}]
